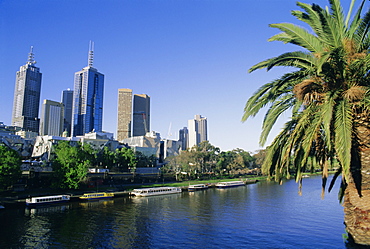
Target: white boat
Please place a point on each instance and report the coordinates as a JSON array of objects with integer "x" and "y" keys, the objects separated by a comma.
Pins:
[
  {"x": 197, "y": 187},
  {"x": 230, "y": 184},
  {"x": 155, "y": 191},
  {"x": 47, "y": 199}
]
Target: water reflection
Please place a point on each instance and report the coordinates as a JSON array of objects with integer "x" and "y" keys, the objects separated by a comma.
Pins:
[
  {"x": 263, "y": 215},
  {"x": 45, "y": 209},
  {"x": 96, "y": 204}
]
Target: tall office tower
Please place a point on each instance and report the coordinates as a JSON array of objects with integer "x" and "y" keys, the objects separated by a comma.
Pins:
[
  {"x": 87, "y": 113},
  {"x": 197, "y": 130},
  {"x": 184, "y": 138},
  {"x": 141, "y": 119},
  {"x": 27, "y": 96},
  {"x": 52, "y": 118},
  {"x": 67, "y": 100},
  {"x": 124, "y": 114}
]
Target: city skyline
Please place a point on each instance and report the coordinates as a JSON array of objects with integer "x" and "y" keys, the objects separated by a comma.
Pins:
[{"x": 189, "y": 56}]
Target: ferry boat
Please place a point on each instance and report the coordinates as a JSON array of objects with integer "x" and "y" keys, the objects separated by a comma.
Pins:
[
  {"x": 230, "y": 184},
  {"x": 197, "y": 187},
  {"x": 155, "y": 191},
  {"x": 96, "y": 196},
  {"x": 47, "y": 199}
]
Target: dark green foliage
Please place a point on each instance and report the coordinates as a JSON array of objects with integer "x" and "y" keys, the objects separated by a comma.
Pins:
[
  {"x": 71, "y": 165},
  {"x": 10, "y": 163}
]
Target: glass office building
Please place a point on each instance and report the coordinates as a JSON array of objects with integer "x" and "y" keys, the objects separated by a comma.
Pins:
[
  {"x": 27, "y": 96},
  {"x": 88, "y": 99}
]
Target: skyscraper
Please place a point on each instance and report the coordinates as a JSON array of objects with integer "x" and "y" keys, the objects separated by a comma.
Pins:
[
  {"x": 52, "y": 118},
  {"x": 87, "y": 114},
  {"x": 124, "y": 114},
  {"x": 197, "y": 128},
  {"x": 27, "y": 96},
  {"x": 141, "y": 119},
  {"x": 184, "y": 138},
  {"x": 67, "y": 100}
]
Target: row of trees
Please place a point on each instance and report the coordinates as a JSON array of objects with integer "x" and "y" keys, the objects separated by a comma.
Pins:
[
  {"x": 206, "y": 159},
  {"x": 71, "y": 163}
]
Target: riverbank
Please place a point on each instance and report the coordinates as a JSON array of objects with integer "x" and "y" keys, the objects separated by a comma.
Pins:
[{"x": 19, "y": 199}]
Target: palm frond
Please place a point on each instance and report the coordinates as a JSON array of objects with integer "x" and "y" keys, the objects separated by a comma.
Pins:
[
  {"x": 274, "y": 112},
  {"x": 343, "y": 135},
  {"x": 298, "y": 36}
]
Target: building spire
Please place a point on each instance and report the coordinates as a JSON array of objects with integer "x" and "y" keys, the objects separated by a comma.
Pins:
[
  {"x": 31, "y": 60},
  {"x": 91, "y": 54}
]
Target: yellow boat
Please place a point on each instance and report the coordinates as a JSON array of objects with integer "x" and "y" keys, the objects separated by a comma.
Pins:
[{"x": 95, "y": 196}]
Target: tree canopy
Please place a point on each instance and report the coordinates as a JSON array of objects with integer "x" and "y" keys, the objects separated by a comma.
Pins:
[
  {"x": 71, "y": 164},
  {"x": 10, "y": 164}
]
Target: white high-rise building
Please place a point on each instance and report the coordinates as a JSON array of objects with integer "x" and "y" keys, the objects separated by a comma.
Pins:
[
  {"x": 197, "y": 130},
  {"x": 52, "y": 118}
]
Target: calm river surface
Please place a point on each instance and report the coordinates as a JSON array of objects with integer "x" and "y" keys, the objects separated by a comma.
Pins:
[{"x": 262, "y": 215}]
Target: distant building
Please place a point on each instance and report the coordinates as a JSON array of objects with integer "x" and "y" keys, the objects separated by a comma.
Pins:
[
  {"x": 197, "y": 128},
  {"x": 27, "y": 96},
  {"x": 184, "y": 138},
  {"x": 87, "y": 114},
  {"x": 52, "y": 118},
  {"x": 98, "y": 140},
  {"x": 27, "y": 134},
  {"x": 67, "y": 100},
  {"x": 124, "y": 121},
  {"x": 152, "y": 144},
  {"x": 141, "y": 117}
]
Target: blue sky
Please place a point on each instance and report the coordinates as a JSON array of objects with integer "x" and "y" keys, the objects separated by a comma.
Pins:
[{"x": 190, "y": 56}]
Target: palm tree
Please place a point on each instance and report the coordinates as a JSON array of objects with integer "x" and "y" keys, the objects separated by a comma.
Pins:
[{"x": 328, "y": 96}]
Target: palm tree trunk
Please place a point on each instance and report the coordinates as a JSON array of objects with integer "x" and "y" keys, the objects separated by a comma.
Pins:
[{"x": 357, "y": 194}]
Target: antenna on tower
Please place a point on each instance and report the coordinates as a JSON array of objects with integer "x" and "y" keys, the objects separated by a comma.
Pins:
[
  {"x": 31, "y": 60},
  {"x": 169, "y": 134},
  {"x": 91, "y": 54}
]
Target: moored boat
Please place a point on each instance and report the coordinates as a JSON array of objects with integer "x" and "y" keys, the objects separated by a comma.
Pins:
[
  {"x": 155, "y": 191},
  {"x": 230, "y": 184},
  {"x": 47, "y": 199},
  {"x": 96, "y": 196},
  {"x": 196, "y": 187}
]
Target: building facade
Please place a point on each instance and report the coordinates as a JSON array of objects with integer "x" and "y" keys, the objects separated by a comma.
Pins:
[
  {"x": 197, "y": 129},
  {"x": 52, "y": 118},
  {"x": 124, "y": 120},
  {"x": 67, "y": 100},
  {"x": 184, "y": 138},
  {"x": 141, "y": 115},
  {"x": 87, "y": 114},
  {"x": 27, "y": 96}
]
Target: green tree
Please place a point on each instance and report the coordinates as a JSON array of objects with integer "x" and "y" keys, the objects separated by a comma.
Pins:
[
  {"x": 206, "y": 156},
  {"x": 145, "y": 161},
  {"x": 329, "y": 99},
  {"x": 70, "y": 165},
  {"x": 107, "y": 157},
  {"x": 259, "y": 156},
  {"x": 10, "y": 163},
  {"x": 125, "y": 158}
]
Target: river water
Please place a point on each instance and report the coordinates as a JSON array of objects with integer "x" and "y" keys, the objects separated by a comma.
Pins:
[{"x": 262, "y": 215}]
